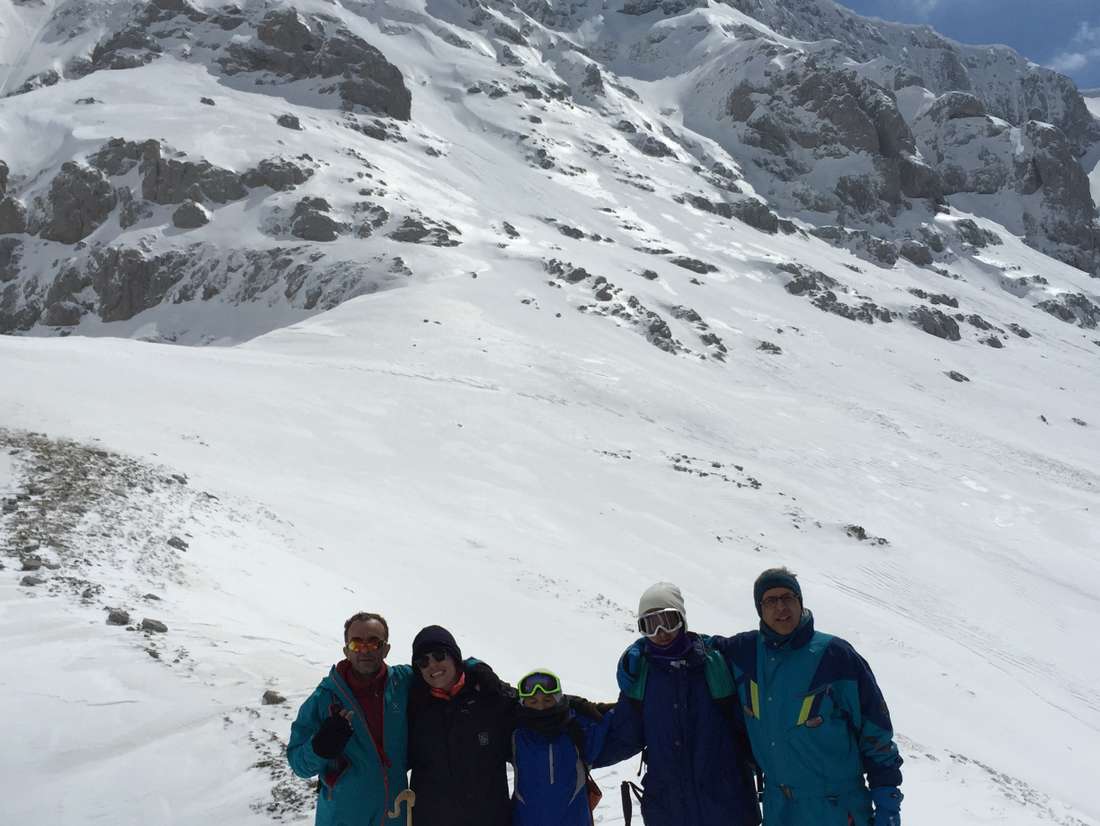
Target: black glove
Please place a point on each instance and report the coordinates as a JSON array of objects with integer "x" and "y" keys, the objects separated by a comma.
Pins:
[
  {"x": 605, "y": 707},
  {"x": 330, "y": 739},
  {"x": 585, "y": 708}
]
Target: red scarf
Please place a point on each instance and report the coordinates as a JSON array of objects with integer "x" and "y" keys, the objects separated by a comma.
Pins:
[
  {"x": 370, "y": 694},
  {"x": 449, "y": 693}
]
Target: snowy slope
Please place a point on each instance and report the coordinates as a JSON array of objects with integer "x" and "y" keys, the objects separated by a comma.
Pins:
[
  {"x": 449, "y": 453},
  {"x": 608, "y": 381}
]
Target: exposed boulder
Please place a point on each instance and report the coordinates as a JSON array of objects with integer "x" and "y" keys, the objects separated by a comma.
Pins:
[
  {"x": 190, "y": 215},
  {"x": 970, "y": 233},
  {"x": 311, "y": 221},
  {"x": 278, "y": 173},
  {"x": 172, "y": 181},
  {"x": 288, "y": 121},
  {"x": 3, "y": 179},
  {"x": 935, "y": 323},
  {"x": 916, "y": 252},
  {"x": 63, "y": 314},
  {"x": 79, "y": 201},
  {"x": 423, "y": 230}
]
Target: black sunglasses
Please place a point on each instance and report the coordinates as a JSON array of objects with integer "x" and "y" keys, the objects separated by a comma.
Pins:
[{"x": 421, "y": 660}]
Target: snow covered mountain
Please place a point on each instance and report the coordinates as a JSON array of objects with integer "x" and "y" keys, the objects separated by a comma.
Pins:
[
  {"x": 613, "y": 295},
  {"x": 239, "y": 167}
]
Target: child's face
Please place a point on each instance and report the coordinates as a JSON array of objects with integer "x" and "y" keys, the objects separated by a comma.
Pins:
[{"x": 540, "y": 702}]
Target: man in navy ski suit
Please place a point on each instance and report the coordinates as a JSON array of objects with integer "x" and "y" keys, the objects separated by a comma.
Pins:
[
  {"x": 818, "y": 723},
  {"x": 678, "y": 706}
]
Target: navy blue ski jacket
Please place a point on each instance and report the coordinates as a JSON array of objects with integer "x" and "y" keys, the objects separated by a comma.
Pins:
[{"x": 695, "y": 762}]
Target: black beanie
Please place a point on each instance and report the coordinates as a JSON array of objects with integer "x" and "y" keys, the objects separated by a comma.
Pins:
[
  {"x": 775, "y": 578},
  {"x": 436, "y": 638}
]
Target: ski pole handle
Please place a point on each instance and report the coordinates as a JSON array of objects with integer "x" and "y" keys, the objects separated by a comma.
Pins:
[{"x": 408, "y": 796}]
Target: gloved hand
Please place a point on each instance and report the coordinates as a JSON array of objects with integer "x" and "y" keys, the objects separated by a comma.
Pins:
[
  {"x": 585, "y": 707},
  {"x": 330, "y": 739},
  {"x": 887, "y": 800}
]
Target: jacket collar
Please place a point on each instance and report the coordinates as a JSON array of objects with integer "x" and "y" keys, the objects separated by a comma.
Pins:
[{"x": 796, "y": 639}]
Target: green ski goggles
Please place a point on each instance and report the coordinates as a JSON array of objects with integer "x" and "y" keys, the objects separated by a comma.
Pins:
[{"x": 538, "y": 682}]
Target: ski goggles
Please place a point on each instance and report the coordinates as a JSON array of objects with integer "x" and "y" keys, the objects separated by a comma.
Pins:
[
  {"x": 357, "y": 644},
  {"x": 665, "y": 620},
  {"x": 422, "y": 660},
  {"x": 538, "y": 682}
]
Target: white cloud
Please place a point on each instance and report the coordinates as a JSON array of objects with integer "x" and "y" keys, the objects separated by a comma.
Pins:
[
  {"x": 924, "y": 7},
  {"x": 1082, "y": 51},
  {"x": 1087, "y": 33},
  {"x": 1070, "y": 61}
]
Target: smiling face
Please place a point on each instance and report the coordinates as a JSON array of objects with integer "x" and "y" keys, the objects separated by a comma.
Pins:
[
  {"x": 364, "y": 662},
  {"x": 440, "y": 673},
  {"x": 781, "y": 610}
]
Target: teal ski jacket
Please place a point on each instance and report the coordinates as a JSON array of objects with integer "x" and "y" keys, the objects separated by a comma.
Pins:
[
  {"x": 819, "y": 726},
  {"x": 357, "y": 789}
]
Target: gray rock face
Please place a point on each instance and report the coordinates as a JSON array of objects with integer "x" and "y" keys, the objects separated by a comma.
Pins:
[
  {"x": 79, "y": 201},
  {"x": 1008, "y": 85},
  {"x": 3, "y": 179},
  {"x": 190, "y": 215},
  {"x": 127, "y": 282},
  {"x": 278, "y": 173},
  {"x": 117, "y": 157},
  {"x": 13, "y": 216},
  {"x": 1073, "y": 308},
  {"x": 11, "y": 252},
  {"x": 172, "y": 181},
  {"x": 295, "y": 48}
]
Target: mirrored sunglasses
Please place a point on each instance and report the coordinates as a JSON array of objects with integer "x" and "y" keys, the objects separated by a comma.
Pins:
[
  {"x": 358, "y": 644},
  {"x": 422, "y": 660}
]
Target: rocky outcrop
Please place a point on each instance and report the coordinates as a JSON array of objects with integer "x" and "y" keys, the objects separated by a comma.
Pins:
[
  {"x": 293, "y": 47},
  {"x": 11, "y": 251},
  {"x": 79, "y": 201},
  {"x": 172, "y": 181},
  {"x": 278, "y": 173},
  {"x": 311, "y": 221},
  {"x": 13, "y": 216}
]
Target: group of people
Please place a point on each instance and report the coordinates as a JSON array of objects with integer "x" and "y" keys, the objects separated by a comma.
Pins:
[{"x": 785, "y": 715}]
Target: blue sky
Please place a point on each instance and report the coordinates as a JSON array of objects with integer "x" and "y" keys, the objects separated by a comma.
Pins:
[{"x": 1062, "y": 34}]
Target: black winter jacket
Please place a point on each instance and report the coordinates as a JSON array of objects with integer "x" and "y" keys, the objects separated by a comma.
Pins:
[{"x": 458, "y": 750}]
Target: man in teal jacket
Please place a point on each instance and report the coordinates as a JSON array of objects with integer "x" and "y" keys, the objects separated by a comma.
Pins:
[
  {"x": 817, "y": 721},
  {"x": 352, "y": 731}
]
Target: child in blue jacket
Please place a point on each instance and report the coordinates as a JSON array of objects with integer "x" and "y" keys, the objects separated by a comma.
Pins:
[{"x": 555, "y": 740}]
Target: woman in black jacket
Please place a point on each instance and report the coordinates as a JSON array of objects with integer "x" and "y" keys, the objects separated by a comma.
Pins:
[{"x": 460, "y": 731}]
